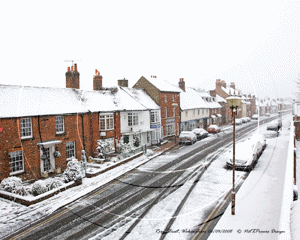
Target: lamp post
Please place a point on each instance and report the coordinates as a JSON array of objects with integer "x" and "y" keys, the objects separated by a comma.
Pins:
[
  {"x": 233, "y": 103},
  {"x": 174, "y": 105}
]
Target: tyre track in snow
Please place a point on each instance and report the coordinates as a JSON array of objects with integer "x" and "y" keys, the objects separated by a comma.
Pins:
[{"x": 104, "y": 211}]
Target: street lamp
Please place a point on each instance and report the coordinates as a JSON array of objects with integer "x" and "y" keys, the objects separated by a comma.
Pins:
[{"x": 233, "y": 103}]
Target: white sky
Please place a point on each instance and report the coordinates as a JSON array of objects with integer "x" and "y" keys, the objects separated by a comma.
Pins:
[{"x": 253, "y": 43}]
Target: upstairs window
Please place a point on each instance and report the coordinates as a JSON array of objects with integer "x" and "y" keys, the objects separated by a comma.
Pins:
[
  {"x": 26, "y": 127},
  {"x": 106, "y": 122},
  {"x": 173, "y": 98},
  {"x": 174, "y": 112},
  {"x": 166, "y": 112},
  {"x": 133, "y": 119},
  {"x": 16, "y": 162},
  {"x": 166, "y": 98},
  {"x": 154, "y": 117},
  {"x": 59, "y": 124}
]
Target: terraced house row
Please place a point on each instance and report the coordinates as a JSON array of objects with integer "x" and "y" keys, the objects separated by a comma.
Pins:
[{"x": 41, "y": 128}]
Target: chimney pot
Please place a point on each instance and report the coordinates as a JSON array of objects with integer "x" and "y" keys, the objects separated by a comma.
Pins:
[
  {"x": 72, "y": 68},
  {"x": 75, "y": 66},
  {"x": 68, "y": 69}
]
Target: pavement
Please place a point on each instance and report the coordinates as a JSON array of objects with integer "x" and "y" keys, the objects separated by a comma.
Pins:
[{"x": 259, "y": 201}]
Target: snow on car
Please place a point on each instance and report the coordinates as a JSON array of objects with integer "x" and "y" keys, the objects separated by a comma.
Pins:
[
  {"x": 213, "y": 129},
  {"x": 238, "y": 121},
  {"x": 200, "y": 132},
  {"x": 275, "y": 125},
  {"x": 187, "y": 137},
  {"x": 247, "y": 153},
  {"x": 255, "y": 117}
]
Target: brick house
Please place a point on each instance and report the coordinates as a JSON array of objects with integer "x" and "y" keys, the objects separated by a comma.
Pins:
[
  {"x": 42, "y": 128},
  {"x": 166, "y": 97}
]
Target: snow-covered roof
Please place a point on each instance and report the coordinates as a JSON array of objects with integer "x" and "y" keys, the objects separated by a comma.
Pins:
[
  {"x": 142, "y": 97},
  {"x": 191, "y": 99},
  {"x": 163, "y": 85},
  {"x": 18, "y": 101},
  {"x": 220, "y": 99},
  {"x": 210, "y": 102}
]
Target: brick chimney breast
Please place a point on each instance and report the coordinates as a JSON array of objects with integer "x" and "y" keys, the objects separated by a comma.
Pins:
[
  {"x": 72, "y": 78},
  {"x": 97, "y": 80},
  {"x": 182, "y": 84},
  {"x": 123, "y": 83}
]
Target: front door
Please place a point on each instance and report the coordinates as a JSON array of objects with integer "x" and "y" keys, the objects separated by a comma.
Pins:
[{"x": 47, "y": 161}]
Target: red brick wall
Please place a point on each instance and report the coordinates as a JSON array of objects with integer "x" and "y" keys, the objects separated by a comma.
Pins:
[
  {"x": 44, "y": 129},
  {"x": 168, "y": 104}
]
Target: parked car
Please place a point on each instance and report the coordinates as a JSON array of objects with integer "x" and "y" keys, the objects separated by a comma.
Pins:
[
  {"x": 187, "y": 137},
  {"x": 261, "y": 138},
  {"x": 246, "y": 155},
  {"x": 255, "y": 117},
  {"x": 238, "y": 121},
  {"x": 244, "y": 120},
  {"x": 213, "y": 129},
  {"x": 267, "y": 114},
  {"x": 275, "y": 125},
  {"x": 248, "y": 119},
  {"x": 200, "y": 132}
]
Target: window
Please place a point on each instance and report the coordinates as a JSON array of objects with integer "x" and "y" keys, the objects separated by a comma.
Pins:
[
  {"x": 202, "y": 111},
  {"x": 59, "y": 123},
  {"x": 26, "y": 127},
  {"x": 173, "y": 98},
  {"x": 70, "y": 148},
  {"x": 166, "y": 112},
  {"x": 16, "y": 162},
  {"x": 166, "y": 98},
  {"x": 194, "y": 112},
  {"x": 154, "y": 117},
  {"x": 186, "y": 113},
  {"x": 174, "y": 112},
  {"x": 133, "y": 119},
  {"x": 198, "y": 111},
  {"x": 170, "y": 129},
  {"x": 106, "y": 122}
]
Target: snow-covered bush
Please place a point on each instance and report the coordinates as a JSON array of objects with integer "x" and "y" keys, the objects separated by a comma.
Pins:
[
  {"x": 10, "y": 184},
  {"x": 149, "y": 152},
  {"x": 74, "y": 171},
  {"x": 124, "y": 147},
  {"x": 21, "y": 190},
  {"x": 53, "y": 183},
  {"x": 39, "y": 187}
]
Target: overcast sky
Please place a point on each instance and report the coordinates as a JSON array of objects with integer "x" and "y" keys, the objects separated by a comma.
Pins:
[{"x": 255, "y": 44}]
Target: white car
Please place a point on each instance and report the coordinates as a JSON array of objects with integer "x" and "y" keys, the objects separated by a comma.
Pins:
[
  {"x": 238, "y": 121},
  {"x": 247, "y": 153},
  {"x": 255, "y": 116},
  {"x": 187, "y": 137}
]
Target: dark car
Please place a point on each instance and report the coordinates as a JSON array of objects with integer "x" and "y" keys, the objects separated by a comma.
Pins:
[{"x": 200, "y": 132}]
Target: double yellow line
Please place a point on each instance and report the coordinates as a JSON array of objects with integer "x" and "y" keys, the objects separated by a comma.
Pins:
[
  {"x": 54, "y": 217},
  {"x": 208, "y": 220}
]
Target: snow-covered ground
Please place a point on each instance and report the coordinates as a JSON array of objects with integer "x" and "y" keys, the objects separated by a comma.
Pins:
[{"x": 214, "y": 183}]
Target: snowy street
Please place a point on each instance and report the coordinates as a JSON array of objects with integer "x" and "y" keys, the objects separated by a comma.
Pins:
[{"x": 172, "y": 192}]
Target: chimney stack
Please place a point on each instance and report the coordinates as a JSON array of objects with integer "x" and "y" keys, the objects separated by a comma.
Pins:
[
  {"x": 72, "y": 78},
  {"x": 182, "y": 84},
  {"x": 97, "y": 80},
  {"x": 232, "y": 85},
  {"x": 123, "y": 83}
]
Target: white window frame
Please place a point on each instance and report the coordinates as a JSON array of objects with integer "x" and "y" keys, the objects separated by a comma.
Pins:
[
  {"x": 154, "y": 117},
  {"x": 26, "y": 128},
  {"x": 13, "y": 157},
  {"x": 69, "y": 150},
  {"x": 133, "y": 119},
  {"x": 59, "y": 124},
  {"x": 108, "y": 122}
]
